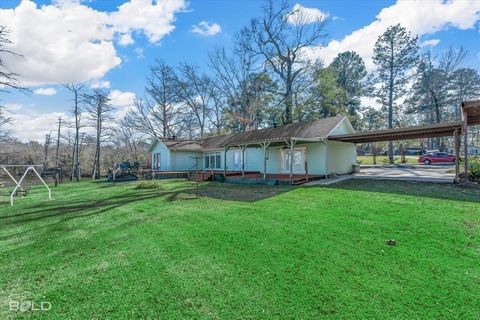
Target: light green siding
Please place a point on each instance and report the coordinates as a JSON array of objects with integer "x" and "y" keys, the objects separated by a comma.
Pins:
[
  {"x": 341, "y": 156},
  {"x": 316, "y": 158},
  {"x": 164, "y": 156},
  {"x": 185, "y": 160}
]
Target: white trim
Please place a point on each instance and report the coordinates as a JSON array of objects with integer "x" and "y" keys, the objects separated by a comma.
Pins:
[
  {"x": 284, "y": 151},
  {"x": 339, "y": 123}
]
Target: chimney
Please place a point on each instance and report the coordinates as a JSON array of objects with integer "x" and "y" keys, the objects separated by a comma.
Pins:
[
  {"x": 275, "y": 124},
  {"x": 174, "y": 137}
]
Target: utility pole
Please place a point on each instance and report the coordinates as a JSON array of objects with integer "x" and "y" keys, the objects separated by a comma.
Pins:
[
  {"x": 57, "y": 151},
  {"x": 47, "y": 146}
]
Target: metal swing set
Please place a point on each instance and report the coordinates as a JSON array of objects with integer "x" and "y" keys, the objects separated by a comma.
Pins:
[{"x": 18, "y": 184}]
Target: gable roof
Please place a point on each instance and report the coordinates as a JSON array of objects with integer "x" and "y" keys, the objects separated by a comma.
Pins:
[{"x": 319, "y": 128}]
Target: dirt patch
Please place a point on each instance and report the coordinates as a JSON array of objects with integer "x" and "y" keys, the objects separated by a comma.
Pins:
[{"x": 233, "y": 192}]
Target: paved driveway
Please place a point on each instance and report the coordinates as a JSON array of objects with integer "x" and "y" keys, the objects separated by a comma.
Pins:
[{"x": 409, "y": 173}]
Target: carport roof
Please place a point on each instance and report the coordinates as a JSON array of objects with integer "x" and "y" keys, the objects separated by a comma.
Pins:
[
  {"x": 471, "y": 110},
  {"x": 428, "y": 131}
]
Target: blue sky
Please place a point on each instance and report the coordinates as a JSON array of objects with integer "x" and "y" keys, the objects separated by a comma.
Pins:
[{"x": 112, "y": 43}]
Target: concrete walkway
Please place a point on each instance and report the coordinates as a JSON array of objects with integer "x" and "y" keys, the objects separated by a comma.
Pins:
[
  {"x": 436, "y": 174},
  {"x": 326, "y": 182},
  {"x": 421, "y": 174}
]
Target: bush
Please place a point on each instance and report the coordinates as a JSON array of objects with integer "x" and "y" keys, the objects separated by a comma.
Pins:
[
  {"x": 149, "y": 185},
  {"x": 474, "y": 166}
]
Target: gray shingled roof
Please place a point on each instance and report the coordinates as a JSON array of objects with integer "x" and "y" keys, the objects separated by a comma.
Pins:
[
  {"x": 182, "y": 144},
  {"x": 319, "y": 128}
]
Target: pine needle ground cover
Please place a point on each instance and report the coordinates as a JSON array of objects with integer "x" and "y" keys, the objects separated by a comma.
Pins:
[{"x": 114, "y": 251}]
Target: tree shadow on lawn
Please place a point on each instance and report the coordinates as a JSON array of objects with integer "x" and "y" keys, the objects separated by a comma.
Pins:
[
  {"x": 88, "y": 207},
  {"x": 417, "y": 189},
  {"x": 236, "y": 192}
]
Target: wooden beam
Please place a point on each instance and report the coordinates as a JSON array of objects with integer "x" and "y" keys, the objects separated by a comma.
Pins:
[
  {"x": 292, "y": 150},
  {"x": 306, "y": 165},
  {"x": 242, "y": 148},
  {"x": 265, "y": 145},
  {"x": 465, "y": 146},
  {"x": 457, "y": 138},
  {"x": 225, "y": 162}
]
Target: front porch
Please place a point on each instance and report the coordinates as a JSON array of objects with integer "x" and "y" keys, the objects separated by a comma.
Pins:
[{"x": 272, "y": 179}]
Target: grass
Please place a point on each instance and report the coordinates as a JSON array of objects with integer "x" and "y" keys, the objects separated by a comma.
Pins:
[
  {"x": 113, "y": 251},
  {"x": 384, "y": 159}
]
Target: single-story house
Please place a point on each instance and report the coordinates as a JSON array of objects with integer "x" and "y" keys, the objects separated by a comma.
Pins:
[{"x": 267, "y": 151}]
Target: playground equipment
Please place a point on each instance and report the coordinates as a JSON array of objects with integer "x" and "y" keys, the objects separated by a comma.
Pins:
[
  {"x": 124, "y": 171},
  {"x": 20, "y": 190}
]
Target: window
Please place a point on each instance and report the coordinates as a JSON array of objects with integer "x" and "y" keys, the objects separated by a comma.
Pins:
[
  {"x": 213, "y": 160},
  {"x": 156, "y": 161},
  {"x": 207, "y": 162},
  {"x": 218, "y": 160}
]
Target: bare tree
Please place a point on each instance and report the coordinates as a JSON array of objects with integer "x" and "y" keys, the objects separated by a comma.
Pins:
[
  {"x": 195, "y": 94},
  {"x": 130, "y": 138},
  {"x": 99, "y": 110},
  {"x": 280, "y": 38},
  {"x": 4, "y": 120},
  {"x": 8, "y": 78},
  {"x": 162, "y": 87},
  {"x": 77, "y": 92},
  {"x": 157, "y": 115},
  {"x": 240, "y": 86}
]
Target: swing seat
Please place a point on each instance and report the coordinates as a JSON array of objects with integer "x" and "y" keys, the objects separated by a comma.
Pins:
[{"x": 20, "y": 192}]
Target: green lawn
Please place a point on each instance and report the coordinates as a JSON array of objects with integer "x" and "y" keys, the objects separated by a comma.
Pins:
[
  {"x": 384, "y": 159},
  {"x": 112, "y": 251}
]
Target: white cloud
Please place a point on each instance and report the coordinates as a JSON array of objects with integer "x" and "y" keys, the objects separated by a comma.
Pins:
[
  {"x": 28, "y": 126},
  {"x": 12, "y": 107},
  {"x": 126, "y": 39},
  {"x": 45, "y": 91},
  {"x": 124, "y": 101},
  {"x": 205, "y": 28},
  {"x": 100, "y": 84},
  {"x": 70, "y": 42},
  {"x": 121, "y": 99},
  {"x": 154, "y": 18},
  {"x": 139, "y": 53},
  {"x": 303, "y": 15},
  {"x": 430, "y": 43},
  {"x": 419, "y": 17}
]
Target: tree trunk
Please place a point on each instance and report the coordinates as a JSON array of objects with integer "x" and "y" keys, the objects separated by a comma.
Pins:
[
  {"x": 390, "y": 115},
  {"x": 288, "y": 103}
]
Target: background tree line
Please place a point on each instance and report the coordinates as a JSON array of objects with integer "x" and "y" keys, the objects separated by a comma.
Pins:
[{"x": 265, "y": 78}]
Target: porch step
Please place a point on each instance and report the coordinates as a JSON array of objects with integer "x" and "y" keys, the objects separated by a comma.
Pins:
[{"x": 200, "y": 176}]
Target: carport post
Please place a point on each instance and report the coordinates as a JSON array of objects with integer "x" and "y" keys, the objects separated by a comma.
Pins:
[
  {"x": 292, "y": 150},
  {"x": 242, "y": 148},
  {"x": 225, "y": 162},
  {"x": 465, "y": 145},
  {"x": 264, "y": 146},
  {"x": 457, "y": 156}
]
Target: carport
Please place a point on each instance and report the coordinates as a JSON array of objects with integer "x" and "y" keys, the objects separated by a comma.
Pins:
[{"x": 470, "y": 116}]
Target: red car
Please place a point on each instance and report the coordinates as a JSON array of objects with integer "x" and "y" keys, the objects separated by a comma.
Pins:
[{"x": 436, "y": 157}]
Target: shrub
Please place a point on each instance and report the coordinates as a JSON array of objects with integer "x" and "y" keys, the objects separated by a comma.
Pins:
[
  {"x": 150, "y": 185},
  {"x": 474, "y": 166}
]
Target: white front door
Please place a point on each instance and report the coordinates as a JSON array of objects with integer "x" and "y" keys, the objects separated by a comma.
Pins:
[
  {"x": 237, "y": 160},
  {"x": 298, "y": 160}
]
